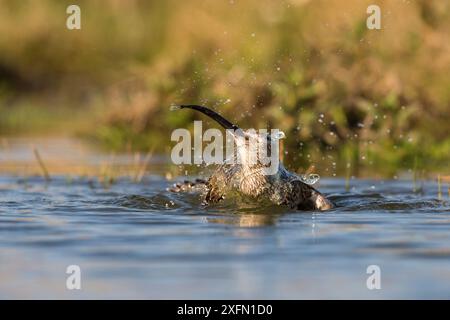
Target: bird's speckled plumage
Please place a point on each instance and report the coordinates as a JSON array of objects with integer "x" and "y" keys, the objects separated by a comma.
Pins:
[{"x": 281, "y": 188}]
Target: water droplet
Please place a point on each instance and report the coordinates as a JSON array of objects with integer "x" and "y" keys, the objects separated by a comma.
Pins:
[{"x": 310, "y": 179}]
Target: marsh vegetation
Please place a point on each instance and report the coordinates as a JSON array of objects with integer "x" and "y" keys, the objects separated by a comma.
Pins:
[{"x": 367, "y": 102}]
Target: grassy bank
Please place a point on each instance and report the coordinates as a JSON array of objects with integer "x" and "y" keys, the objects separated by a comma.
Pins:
[{"x": 374, "y": 101}]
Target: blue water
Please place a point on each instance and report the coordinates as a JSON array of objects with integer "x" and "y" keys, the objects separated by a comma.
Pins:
[{"x": 136, "y": 240}]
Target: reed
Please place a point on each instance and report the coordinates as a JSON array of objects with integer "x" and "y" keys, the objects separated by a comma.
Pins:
[
  {"x": 41, "y": 164},
  {"x": 447, "y": 180},
  {"x": 142, "y": 167},
  {"x": 108, "y": 173},
  {"x": 439, "y": 187},
  {"x": 133, "y": 173},
  {"x": 348, "y": 170},
  {"x": 415, "y": 175}
]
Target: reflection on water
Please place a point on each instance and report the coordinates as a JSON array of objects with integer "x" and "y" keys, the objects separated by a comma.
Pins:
[
  {"x": 136, "y": 240},
  {"x": 246, "y": 220}
]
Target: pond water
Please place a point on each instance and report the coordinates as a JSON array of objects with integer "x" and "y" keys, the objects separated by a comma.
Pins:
[{"x": 136, "y": 240}]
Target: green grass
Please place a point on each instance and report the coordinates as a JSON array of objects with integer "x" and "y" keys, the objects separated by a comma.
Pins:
[{"x": 341, "y": 93}]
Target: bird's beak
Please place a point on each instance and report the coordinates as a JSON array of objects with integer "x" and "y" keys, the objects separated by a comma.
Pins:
[{"x": 210, "y": 113}]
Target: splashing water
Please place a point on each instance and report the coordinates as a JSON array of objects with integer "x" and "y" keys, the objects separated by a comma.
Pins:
[{"x": 310, "y": 179}]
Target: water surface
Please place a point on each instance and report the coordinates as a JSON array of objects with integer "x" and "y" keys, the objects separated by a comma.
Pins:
[{"x": 136, "y": 240}]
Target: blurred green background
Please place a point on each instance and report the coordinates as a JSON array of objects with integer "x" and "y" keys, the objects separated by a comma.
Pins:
[{"x": 375, "y": 100}]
